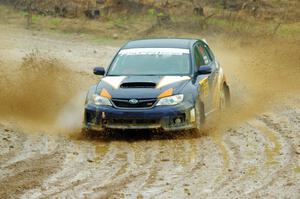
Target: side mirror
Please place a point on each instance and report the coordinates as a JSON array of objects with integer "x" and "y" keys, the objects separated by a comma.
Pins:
[
  {"x": 99, "y": 71},
  {"x": 204, "y": 70}
]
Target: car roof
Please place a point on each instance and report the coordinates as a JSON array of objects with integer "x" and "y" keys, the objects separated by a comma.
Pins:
[{"x": 160, "y": 43}]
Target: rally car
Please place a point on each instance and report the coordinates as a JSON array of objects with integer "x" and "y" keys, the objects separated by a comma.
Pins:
[{"x": 166, "y": 84}]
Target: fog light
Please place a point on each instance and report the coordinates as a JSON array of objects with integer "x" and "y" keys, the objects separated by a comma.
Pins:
[
  {"x": 193, "y": 115},
  {"x": 178, "y": 121}
]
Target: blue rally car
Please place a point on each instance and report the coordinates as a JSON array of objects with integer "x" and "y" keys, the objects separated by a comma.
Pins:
[{"x": 167, "y": 84}]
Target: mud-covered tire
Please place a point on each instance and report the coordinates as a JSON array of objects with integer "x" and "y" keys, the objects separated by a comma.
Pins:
[
  {"x": 224, "y": 101},
  {"x": 227, "y": 95},
  {"x": 199, "y": 115},
  {"x": 88, "y": 133}
]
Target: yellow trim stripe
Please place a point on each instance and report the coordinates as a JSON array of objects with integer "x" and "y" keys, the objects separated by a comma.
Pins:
[{"x": 203, "y": 81}]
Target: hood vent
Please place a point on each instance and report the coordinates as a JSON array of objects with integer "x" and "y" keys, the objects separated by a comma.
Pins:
[{"x": 138, "y": 85}]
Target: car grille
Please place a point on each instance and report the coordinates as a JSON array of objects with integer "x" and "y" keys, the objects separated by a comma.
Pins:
[
  {"x": 142, "y": 103},
  {"x": 132, "y": 121}
]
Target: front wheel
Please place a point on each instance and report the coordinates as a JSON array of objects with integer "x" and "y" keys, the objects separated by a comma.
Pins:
[
  {"x": 87, "y": 133},
  {"x": 90, "y": 134},
  {"x": 224, "y": 101},
  {"x": 199, "y": 115}
]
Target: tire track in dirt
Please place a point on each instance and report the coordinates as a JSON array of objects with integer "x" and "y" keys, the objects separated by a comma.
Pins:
[
  {"x": 141, "y": 163},
  {"x": 126, "y": 174},
  {"x": 116, "y": 164},
  {"x": 254, "y": 178},
  {"x": 28, "y": 174},
  {"x": 128, "y": 164},
  {"x": 198, "y": 175},
  {"x": 123, "y": 165},
  {"x": 287, "y": 125},
  {"x": 78, "y": 169},
  {"x": 11, "y": 143}
]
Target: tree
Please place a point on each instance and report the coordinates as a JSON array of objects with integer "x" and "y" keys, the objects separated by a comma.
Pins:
[{"x": 29, "y": 7}]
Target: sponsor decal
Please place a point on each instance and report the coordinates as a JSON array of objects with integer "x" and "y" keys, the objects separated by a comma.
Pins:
[{"x": 154, "y": 51}]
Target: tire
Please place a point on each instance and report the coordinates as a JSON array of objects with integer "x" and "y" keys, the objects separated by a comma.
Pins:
[
  {"x": 88, "y": 133},
  {"x": 227, "y": 95},
  {"x": 224, "y": 101},
  {"x": 200, "y": 115}
]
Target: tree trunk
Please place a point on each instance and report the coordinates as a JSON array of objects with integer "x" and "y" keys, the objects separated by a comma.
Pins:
[{"x": 29, "y": 14}]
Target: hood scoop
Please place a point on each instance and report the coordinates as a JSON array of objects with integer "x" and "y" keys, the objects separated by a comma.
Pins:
[{"x": 138, "y": 85}]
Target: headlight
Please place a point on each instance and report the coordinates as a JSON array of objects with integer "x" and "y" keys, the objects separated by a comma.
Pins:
[
  {"x": 101, "y": 101},
  {"x": 170, "y": 101}
]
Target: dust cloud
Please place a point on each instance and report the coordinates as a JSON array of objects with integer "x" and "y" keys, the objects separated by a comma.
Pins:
[
  {"x": 261, "y": 73},
  {"x": 42, "y": 93}
]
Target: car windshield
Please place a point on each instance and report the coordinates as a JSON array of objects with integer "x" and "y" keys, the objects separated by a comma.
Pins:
[{"x": 151, "y": 61}]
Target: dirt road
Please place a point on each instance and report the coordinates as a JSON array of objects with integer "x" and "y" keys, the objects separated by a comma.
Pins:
[{"x": 251, "y": 151}]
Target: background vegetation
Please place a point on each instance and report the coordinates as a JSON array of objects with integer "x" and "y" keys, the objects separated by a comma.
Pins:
[{"x": 124, "y": 19}]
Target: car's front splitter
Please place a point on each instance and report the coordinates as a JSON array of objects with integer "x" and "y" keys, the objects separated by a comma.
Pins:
[{"x": 167, "y": 118}]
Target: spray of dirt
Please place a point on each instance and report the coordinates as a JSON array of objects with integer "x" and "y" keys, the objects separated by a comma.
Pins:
[
  {"x": 42, "y": 93},
  {"x": 261, "y": 73}
]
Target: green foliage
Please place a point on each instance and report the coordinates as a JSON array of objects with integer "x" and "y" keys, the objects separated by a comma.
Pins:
[
  {"x": 220, "y": 4},
  {"x": 152, "y": 12},
  {"x": 23, "y": 13},
  {"x": 35, "y": 18},
  {"x": 289, "y": 30},
  {"x": 160, "y": 14},
  {"x": 118, "y": 22},
  {"x": 55, "y": 21}
]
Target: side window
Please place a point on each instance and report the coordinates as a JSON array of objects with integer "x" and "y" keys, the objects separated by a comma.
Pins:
[
  {"x": 197, "y": 56},
  {"x": 206, "y": 57},
  {"x": 212, "y": 57}
]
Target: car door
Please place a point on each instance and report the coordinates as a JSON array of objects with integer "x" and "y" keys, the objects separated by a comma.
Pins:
[
  {"x": 201, "y": 81},
  {"x": 207, "y": 82},
  {"x": 213, "y": 78}
]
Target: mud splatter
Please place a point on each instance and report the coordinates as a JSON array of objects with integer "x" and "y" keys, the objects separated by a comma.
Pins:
[{"x": 42, "y": 91}]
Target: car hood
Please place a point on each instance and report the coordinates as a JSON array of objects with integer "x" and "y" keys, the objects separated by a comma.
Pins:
[{"x": 141, "y": 87}]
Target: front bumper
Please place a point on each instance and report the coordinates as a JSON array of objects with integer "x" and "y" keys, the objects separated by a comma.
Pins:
[{"x": 167, "y": 118}]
